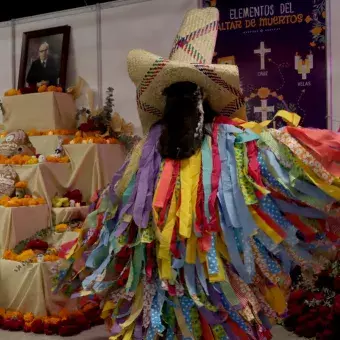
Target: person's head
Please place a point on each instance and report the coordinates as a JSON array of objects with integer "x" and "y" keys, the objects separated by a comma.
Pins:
[{"x": 43, "y": 51}]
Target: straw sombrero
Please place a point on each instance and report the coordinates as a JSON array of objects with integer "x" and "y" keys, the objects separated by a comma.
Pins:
[{"x": 190, "y": 60}]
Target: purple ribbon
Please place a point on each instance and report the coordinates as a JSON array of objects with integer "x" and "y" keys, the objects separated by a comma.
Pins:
[
  {"x": 212, "y": 318},
  {"x": 146, "y": 178},
  {"x": 116, "y": 177}
]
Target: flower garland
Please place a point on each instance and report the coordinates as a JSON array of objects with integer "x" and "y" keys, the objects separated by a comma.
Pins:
[
  {"x": 54, "y": 159},
  {"x": 314, "y": 305},
  {"x": 36, "y": 133},
  {"x": 75, "y": 226},
  {"x": 32, "y": 89},
  {"x": 14, "y": 202},
  {"x": 90, "y": 137},
  {"x": 64, "y": 324},
  {"x": 31, "y": 160},
  {"x": 35, "y": 251},
  {"x": 94, "y": 140}
]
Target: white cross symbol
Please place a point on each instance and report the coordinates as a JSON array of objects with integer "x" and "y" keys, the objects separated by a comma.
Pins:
[
  {"x": 264, "y": 109},
  {"x": 262, "y": 51}
]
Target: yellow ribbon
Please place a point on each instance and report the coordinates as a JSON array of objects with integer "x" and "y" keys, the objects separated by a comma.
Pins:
[
  {"x": 189, "y": 175},
  {"x": 276, "y": 299},
  {"x": 221, "y": 275},
  {"x": 290, "y": 118},
  {"x": 331, "y": 190},
  {"x": 265, "y": 227},
  {"x": 108, "y": 307}
]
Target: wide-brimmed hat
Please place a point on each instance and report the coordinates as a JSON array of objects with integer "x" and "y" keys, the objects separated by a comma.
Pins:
[{"x": 190, "y": 60}]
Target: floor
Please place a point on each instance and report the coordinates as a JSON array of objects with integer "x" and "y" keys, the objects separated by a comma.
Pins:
[{"x": 99, "y": 333}]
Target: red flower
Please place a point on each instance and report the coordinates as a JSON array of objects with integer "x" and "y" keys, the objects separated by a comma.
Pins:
[
  {"x": 324, "y": 311},
  {"x": 304, "y": 318},
  {"x": 37, "y": 326},
  {"x": 297, "y": 295},
  {"x": 27, "y": 90},
  {"x": 14, "y": 324},
  {"x": 69, "y": 330},
  {"x": 51, "y": 329},
  {"x": 74, "y": 195},
  {"x": 319, "y": 296},
  {"x": 336, "y": 305},
  {"x": 336, "y": 284},
  {"x": 295, "y": 310},
  {"x": 27, "y": 328},
  {"x": 327, "y": 334},
  {"x": 37, "y": 245}
]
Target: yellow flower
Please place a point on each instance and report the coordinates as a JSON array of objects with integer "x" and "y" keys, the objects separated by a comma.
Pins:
[
  {"x": 316, "y": 30},
  {"x": 60, "y": 228},
  {"x": 26, "y": 255},
  {"x": 263, "y": 92},
  {"x": 308, "y": 19},
  {"x": 11, "y": 92}
]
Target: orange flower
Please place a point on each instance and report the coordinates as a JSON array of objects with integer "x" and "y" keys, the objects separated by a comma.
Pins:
[
  {"x": 28, "y": 317},
  {"x": 263, "y": 92},
  {"x": 316, "y": 30},
  {"x": 21, "y": 184},
  {"x": 11, "y": 92},
  {"x": 13, "y": 315},
  {"x": 59, "y": 89},
  {"x": 52, "y": 89},
  {"x": 21, "y": 202},
  {"x": 308, "y": 19},
  {"x": 312, "y": 44},
  {"x": 10, "y": 255},
  {"x": 51, "y": 258},
  {"x": 53, "y": 159},
  {"x": 42, "y": 88}
]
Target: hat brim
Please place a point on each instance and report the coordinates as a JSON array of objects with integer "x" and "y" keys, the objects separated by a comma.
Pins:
[{"x": 152, "y": 74}]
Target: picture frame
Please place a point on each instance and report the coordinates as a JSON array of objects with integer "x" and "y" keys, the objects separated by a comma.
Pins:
[{"x": 50, "y": 45}]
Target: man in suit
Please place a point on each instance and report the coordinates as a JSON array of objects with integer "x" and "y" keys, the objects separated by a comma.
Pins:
[{"x": 43, "y": 71}]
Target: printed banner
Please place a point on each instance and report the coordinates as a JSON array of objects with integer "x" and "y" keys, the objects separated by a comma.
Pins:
[{"x": 279, "y": 47}]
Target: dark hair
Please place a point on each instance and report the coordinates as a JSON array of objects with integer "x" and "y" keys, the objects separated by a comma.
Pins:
[{"x": 185, "y": 114}]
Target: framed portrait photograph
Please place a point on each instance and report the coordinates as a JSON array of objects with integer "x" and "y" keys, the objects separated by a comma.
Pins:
[{"x": 44, "y": 56}]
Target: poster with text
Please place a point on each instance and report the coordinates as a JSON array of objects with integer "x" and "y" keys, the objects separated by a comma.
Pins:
[{"x": 280, "y": 49}]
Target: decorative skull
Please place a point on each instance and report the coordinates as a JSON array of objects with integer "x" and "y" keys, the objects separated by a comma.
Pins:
[
  {"x": 8, "y": 178},
  {"x": 17, "y": 143}
]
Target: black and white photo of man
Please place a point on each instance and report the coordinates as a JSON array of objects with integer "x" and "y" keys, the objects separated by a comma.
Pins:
[{"x": 44, "y": 70}]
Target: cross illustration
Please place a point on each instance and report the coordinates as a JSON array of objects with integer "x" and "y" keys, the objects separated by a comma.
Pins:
[
  {"x": 262, "y": 51},
  {"x": 264, "y": 109}
]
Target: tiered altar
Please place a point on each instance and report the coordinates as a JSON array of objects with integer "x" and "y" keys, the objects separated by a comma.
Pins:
[{"x": 26, "y": 227}]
